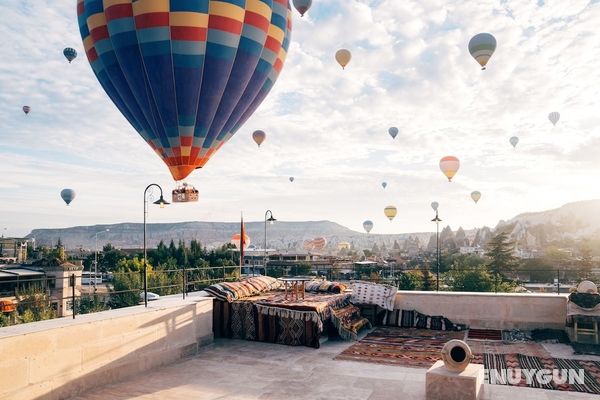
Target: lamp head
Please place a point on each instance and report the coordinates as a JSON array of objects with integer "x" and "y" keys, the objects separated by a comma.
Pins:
[
  {"x": 161, "y": 202},
  {"x": 271, "y": 219}
]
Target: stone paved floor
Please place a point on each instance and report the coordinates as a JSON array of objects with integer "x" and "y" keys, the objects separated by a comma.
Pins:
[{"x": 243, "y": 370}]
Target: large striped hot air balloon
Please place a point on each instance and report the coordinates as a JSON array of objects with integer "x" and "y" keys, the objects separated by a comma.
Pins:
[
  {"x": 481, "y": 47},
  {"x": 319, "y": 243},
  {"x": 186, "y": 74},
  {"x": 390, "y": 212},
  {"x": 449, "y": 166}
]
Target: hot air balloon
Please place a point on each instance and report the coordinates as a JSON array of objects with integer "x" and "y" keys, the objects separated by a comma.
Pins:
[
  {"x": 481, "y": 47},
  {"x": 554, "y": 117},
  {"x": 368, "y": 225},
  {"x": 291, "y": 179},
  {"x": 514, "y": 140},
  {"x": 343, "y": 56},
  {"x": 235, "y": 240},
  {"x": 393, "y": 131},
  {"x": 259, "y": 137},
  {"x": 319, "y": 243},
  {"x": 435, "y": 205},
  {"x": 302, "y": 6},
  {"x": 68, "y": 195},
  {"x": 384, "y": 184},
  {"x": 70, "y": 54},
  {"x": 390, "y": 212},
  {"x": 476, "y": 195},
  {"x": 449, "y": 166},
  {"x": 308, "y": 245},
  {"x": 221, "y": 59},
  {"x": 26, "y": 109}
]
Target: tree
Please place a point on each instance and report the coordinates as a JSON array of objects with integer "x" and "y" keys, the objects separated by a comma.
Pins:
[
  {"x": 501, "y": 259},
  {"x": 428, "y": 280},
  {"x": 470, "y": 280},
  {"x": 409, "y": 281}
]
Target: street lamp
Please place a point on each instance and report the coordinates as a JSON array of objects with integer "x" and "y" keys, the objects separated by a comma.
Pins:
[
  {"x": 96, "y": 257},
  {"x": 270, "y": 219},
  {"x": 162, "y": 203},
  {"x": 437, "y": 221}
]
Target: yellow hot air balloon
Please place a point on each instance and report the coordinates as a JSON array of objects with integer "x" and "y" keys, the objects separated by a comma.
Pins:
[
  {"x": 476, "y": 195},
  {"x": 449, "y": 166},
  {"x": 390, "y": 212},
  {"x": 343, "y": 56}
]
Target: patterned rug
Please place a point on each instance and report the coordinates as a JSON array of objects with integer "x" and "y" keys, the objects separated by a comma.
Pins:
[
  {"x": 408, "y": 347},
  {"x": 420, "y": 348},
  {"x": 484, "y": 334}
]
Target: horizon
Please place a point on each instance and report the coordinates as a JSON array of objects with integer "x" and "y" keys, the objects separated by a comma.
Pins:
[{"x": 410, "y": 69}]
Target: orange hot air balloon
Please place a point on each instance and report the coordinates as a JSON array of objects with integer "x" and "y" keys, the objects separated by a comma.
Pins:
[
  {"x": 235, "y": 240},
  {"x": 319, "y": 243},
  {"x": 449, "y": 166}
]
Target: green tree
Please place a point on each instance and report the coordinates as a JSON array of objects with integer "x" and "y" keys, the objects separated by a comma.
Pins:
[
  {"x": 501, "y": 258},
  {"x": 409, "y": 280},
  {"x": 428, "y": 280},
  {"x": 470, "y": 280}
]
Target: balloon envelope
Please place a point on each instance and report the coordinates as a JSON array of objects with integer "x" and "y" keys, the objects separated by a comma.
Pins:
[
  {"x": 343, "y": 56},
  {"x": 514, "y": 141},
  {"x": 449, "y": 166},
  {"x": 302, "y": 6},
  {"x": 259, "y": 137},
  {"x": 235, "y": 240},
  {"x": 393, "y": 131},
  {"x": 554, "y": 117},
  {"x": 384, "y": 184},
  {"x": 26, "y": 109},
  {"x": 68, "y": 195},
  {"x": 390, "y": 212},
  {"x": 435, "y": 205},
  {"x": 186, "y": 74},
  {"x": 291, "y": 179},
  {"x": 476, "y": 195},
  {"x": 319, "y": 243},
  {"x": 481, "y": 47},
  {"x": 368, "y": 225},
  {"x": 70, "y": 54}
]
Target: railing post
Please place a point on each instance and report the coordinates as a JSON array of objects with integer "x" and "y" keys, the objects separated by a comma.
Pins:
[{"x": 183, "y": 281}]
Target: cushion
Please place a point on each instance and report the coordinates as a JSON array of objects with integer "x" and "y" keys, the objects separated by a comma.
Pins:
[
  {"x": 437, "y": 323},
  {"x": 374, "y": 293},
  {"x": 401, "y": 318},
  {"x": 408, "y": 319},
  {"x": 422, "y": 321},
  {"x": 231, "y": 291},
  {"x": 317, "y": 286}
]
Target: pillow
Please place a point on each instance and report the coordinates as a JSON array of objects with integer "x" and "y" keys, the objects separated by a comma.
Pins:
[
  {"x": 437, "y": 323},
  {"x": 317, "y": 286},
  {"x": 408, "y": 319},
  {"x": 422, "y": 321},
  {"x": 374, "y": 293},
  {"x": 219, "y": 292}
]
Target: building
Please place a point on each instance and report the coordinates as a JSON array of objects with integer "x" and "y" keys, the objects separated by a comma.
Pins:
[
  {"x": 472, "y": 250},
  {"x": 13, "y": 250}
]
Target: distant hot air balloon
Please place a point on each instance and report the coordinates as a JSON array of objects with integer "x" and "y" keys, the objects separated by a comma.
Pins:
[
  {"x": 291, "y": 179},
  {"x": 514, "y": 140},
  {"x": 368, "y": 225},
  {"x": 384, "y": 184},
  {"x": 343, "y": 57},
  {"x": 476, "y": 195},
  {"x": 186, "y": 74},
  {"x": 302, "y": 6},
  {"x": 70, "y": 54},
  {"x": 449, "y": 166},
  {"x": 68, "y": 195},
  {"x": 393, "y": 131},
  {"x": 481, "y": 47},
  {"x": 259, "y": 137},
  {"x": 435, "y": 205},
  {"x": 26, "y": 109},
  {"x": 390, "y": 212},
  {"x": 554, "y": 117},
  {"x": 235, "y": 240}
]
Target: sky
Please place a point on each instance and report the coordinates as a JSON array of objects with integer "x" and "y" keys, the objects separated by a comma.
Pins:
[{"x": 325, "y": 126}]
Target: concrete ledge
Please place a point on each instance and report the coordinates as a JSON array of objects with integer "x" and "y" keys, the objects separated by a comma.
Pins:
[
  {"x": 490, "y": 310},
  {"x": 61, "y": 358}
]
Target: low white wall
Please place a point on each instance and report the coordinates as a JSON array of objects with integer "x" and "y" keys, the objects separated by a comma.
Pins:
[
  {"x": 490, "y": 310},
  {"x": 60, "y": 358}
]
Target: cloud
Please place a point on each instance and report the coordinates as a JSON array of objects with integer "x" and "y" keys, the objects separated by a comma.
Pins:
[{"x": 326, "y": 126}]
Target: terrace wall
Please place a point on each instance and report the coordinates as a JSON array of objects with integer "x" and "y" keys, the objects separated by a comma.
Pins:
[
  {"x": 60, "y": 358},
  {"x": 490, "y": 310}
]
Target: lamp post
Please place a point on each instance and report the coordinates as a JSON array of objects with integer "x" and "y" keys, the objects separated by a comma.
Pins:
[
  {"x": 96, "y": 257},
  {"x": 437, "y": 221},
  {"x": 162, "y": 203},
  {"x": 268, "y": 218}
]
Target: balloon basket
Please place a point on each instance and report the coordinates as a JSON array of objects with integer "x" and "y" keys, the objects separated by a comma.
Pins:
[{"x": 184, "y": 194}]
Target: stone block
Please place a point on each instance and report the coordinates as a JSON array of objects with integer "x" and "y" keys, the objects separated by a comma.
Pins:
[{"x": 442, "y": 384}]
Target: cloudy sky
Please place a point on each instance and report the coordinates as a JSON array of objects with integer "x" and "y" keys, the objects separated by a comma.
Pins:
[{"x": 326, "y": 126}]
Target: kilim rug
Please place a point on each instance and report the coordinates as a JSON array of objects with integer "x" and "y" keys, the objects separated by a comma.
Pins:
[
  {"x": 409, "y": 347},
  {"x": 484, "y": 334}
]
